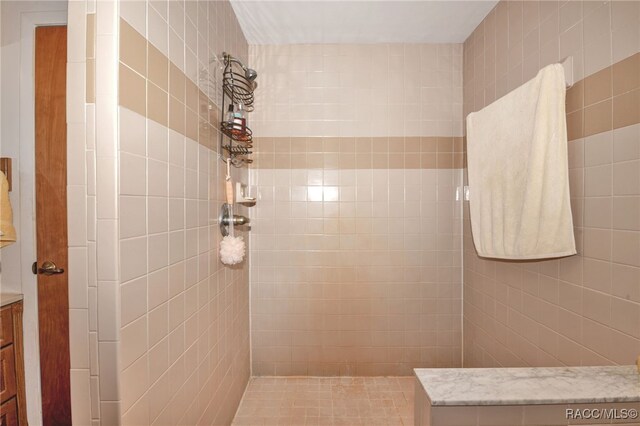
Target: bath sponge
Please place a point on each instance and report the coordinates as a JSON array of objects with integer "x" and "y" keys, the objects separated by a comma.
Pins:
[{"x": 232, "y": 250}]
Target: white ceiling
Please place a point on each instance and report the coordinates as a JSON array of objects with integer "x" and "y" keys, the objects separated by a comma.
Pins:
[{"x": 359, "y": 21}]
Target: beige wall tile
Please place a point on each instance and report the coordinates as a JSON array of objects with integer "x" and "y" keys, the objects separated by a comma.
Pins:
[
  {"x": 133, "y": 48},
  {"x": 176, "y": 115},
  {"x": 625, "y": 178},
  {"x": 598, "y": 118},
  {"x": 132, "y": 90},
  {"x": 314, "y": 110},
  {"x": 626, "y": 247},
  {"x": 367, "y": 153},
  {"x": 170, "y": 248},
  {"x": 626, "y": 213},
  {"x": 157, "y": 104},
  {"x": 91, "y": 35},
  {"x": 603, "y": 169},
  {"x": 191, "y": 96},
  {"x": 626, "y": 75},
  {"x": 626, "y": 109},
  {"x": 158, "y": 66},
  {"x": 575, "y": 97},
  {"x": 575, "y": 125},
  {"x": 343, "y": 288},
  {"x": 91, "y": 81},
  {"x": 191, "y": 124},
  {"x": 176, "y": 83},
  {"x": 625, "y": 146},
  {"x": 598, "y": 87}
]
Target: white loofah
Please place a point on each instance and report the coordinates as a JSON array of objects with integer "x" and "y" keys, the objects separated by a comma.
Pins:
[{"x": 231, "y": 250}]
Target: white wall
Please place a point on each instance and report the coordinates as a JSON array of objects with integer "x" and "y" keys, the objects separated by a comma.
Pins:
[{"x": 16, "y": 141}]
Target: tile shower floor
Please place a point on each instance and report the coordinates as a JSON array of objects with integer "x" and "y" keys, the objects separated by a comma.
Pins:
[{"x": 350, "y": 401}]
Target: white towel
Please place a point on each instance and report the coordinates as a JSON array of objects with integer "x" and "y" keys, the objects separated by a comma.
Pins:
[
  {"x": 518, "y": 172},
  {"x": 7, "y": 230}
]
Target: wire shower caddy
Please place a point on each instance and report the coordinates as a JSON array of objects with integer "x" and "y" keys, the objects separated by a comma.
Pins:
[{"x": 238, "y": 86}]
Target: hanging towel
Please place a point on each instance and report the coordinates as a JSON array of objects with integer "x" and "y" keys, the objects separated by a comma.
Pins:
[
  {"x": 7, "y": 230},
  {"x": 518, "y": 172}
]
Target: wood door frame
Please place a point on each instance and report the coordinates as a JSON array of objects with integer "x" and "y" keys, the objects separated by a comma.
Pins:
[{"x": 26, "y": 193}]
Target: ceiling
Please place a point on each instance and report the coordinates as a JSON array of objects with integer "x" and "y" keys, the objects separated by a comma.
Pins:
[{"x": 359, "y": 21}]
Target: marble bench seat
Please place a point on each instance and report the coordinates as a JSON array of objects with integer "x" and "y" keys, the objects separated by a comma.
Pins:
[{"x": 527, "y": 396}]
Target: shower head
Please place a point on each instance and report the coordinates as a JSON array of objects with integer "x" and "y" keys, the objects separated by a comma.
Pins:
[{"x": 250, "y": 74}]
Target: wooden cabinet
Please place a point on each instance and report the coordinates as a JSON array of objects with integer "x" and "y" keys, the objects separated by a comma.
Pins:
[
  {"x": 13, "y": 409},
  {"x": 9, "y": 413}
]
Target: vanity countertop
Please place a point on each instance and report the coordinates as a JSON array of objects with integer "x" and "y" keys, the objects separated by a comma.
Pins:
[
  {"x": 9, "y": 298},
  {"x": 525, "y": 386}
]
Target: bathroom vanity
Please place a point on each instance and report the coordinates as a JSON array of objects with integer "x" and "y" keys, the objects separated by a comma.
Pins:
[
  {"x": 527, "y": 396},
  {"x": 13, "y": 410}
]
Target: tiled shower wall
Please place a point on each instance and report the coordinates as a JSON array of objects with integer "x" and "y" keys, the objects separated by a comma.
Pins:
[
  {"x": 183, "y": 317},
  {"x": 87, "y": 140},
  {"x": 356, "y": 236},
  {"x": 584, "y": 309}
]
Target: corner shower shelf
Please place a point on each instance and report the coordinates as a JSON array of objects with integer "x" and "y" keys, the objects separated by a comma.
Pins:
[
  {"x": 236, "y": 132},
  {"x": 238, "y": 86}
]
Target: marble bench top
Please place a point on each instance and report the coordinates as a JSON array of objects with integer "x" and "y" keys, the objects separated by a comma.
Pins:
[{"x": 524, "y": 386}]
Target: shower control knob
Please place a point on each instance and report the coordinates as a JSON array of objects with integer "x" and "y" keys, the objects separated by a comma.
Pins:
[
  {"x": 225, "y": 218},
  {"x": 237, "y": 220}
]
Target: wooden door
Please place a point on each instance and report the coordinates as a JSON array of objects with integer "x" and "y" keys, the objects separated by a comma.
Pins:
[{"x": 51, "y": 223}]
